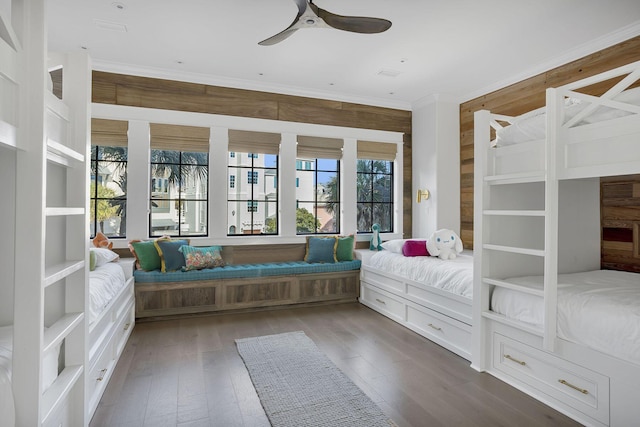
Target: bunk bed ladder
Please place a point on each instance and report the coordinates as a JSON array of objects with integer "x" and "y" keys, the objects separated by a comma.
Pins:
[
  {"x": 512, "y": 236},
  {"x": 51, "y": 257}
]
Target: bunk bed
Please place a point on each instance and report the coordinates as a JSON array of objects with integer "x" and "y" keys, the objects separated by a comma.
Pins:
[
  {"x": 428, "y": 295},
  {"x": 51, "y": 337},
  {"x": 546, "y": 319}
]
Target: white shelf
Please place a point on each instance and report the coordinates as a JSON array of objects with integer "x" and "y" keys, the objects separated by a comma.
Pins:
[
  {"x": 514, "y": 212},
  {"x": 513, "y": 323},
  {"x": 515, "y": 178},
  {"x": 515, "y": 287},
  {"x": 61, "y": 154},
  {"x": 57, "y": 393},
  {"x": 59, "y": 330},
  {"x": 64, "y": 211},
  {"x": 8, "y": 135},
  {"x": 60, "y": 271},
  {"x": 515, "y": 250}
]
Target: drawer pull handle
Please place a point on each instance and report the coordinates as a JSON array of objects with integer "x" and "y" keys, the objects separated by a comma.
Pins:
[
  {"x": 513, "y": 359},
  {"x": 380, "y": 301},
  {"x": 127, "y": 326},
  {"x": 434, "y": 327},
  {"x": 102, "y": 374},
  {"x": 568, "y": 384}
]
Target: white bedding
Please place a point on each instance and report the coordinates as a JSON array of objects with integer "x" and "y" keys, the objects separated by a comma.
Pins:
[
  {"x": 599, "y": 309},
  {"x": 49, "y": 361},
  {"x": 104, "y": 283},
  {"x": 455, "y": 276},
  {"x": 532, "y": 126}
]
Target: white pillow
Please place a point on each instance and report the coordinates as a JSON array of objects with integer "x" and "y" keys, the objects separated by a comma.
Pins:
[
  {"x": 394, "y": 246},
  {"x": 104, "y": 255}
]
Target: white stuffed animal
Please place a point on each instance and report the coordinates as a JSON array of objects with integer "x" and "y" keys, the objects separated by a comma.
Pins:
[{"x": 445, "y": 244}]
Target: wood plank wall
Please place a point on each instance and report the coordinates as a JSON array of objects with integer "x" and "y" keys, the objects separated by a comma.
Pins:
[
  {"x": 119, "y": 89},
  {"x": 620, "y": 218},
  {"x": 522, "y": 97}
]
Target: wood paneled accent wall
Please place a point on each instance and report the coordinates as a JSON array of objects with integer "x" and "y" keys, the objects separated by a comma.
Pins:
[
  {"x": 522, "y": 97},
  {"x": 120, "y": 89},
  {"x": 620, "y": 218}
]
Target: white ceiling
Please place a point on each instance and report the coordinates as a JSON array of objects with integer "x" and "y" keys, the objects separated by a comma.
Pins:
[{"x": 454, "y": 48}]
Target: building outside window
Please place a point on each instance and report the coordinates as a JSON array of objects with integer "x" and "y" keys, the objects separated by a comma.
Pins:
[
  {"x": 252, "y": 203},
  {"x": 232, "y": 181},
  {"x": 179, "y": 180},
  {"x": 318, "y": 196}
]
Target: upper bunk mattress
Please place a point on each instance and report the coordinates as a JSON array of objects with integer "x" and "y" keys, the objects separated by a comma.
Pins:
[
  {"x": 531, "y": 126},
  {"x": 104, "y": 284},
  {"x": 599, "y": 309},
  {"x": 455, "y": 275}
]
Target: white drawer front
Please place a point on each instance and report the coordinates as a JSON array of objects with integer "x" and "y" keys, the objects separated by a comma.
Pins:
[
  {"x": 383, "y": 302},
  {"x": 124, "y": 329},
  {"x": 441, "y": 329},
  {"x": 382, "y": 281},
  {"x": 569, "y": 384},
  {"x": 98, "y": 375}
]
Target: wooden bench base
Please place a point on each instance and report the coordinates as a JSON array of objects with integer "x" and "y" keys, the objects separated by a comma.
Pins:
[{"x": 173, "y": 298}]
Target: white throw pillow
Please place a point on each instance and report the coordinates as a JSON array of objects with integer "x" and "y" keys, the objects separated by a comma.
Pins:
[
  {"x": 104, "y": 256},
  {"x": 394, "y": 246}
]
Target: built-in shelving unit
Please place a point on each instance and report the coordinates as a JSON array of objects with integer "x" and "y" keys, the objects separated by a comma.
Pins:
[{"x": 51, "y": 253}]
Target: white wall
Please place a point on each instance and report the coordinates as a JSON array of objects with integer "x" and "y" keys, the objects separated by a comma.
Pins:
[
  {"x": 7, "y": 231},
  {"x": 436, "y": 165}
]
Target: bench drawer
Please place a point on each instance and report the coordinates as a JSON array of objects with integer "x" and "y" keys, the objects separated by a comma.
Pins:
[
  {"x": 568, "y": 384},
  {"x": 446, "y": 331}
]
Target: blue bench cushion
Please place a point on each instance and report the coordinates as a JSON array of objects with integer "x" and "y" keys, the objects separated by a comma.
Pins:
[{"x": 246, "y": 270}]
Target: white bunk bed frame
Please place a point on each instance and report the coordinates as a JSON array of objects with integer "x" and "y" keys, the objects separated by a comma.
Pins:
[
  {"x": 50, "y": 139},
  {"x": 520, "y": 194}
]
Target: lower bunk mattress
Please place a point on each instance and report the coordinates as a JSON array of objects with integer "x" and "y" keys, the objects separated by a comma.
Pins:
[{"x": 599, "y": 309}]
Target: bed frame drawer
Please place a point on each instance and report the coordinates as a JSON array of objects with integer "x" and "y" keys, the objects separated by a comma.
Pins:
[
  {"x": 565, "y": 383},
  {"x": 384, "y": 302},
  {"x": 443, "y": 330},
  {"x": 99, "y": 374}
]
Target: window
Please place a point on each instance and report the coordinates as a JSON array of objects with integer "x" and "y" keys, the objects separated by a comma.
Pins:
[
  {"x": 318, "y": 196},
  {"x": 232, "y": 154},
  {"x": 318, "y": 185},
  {"x": 179, "y": 178},
  {"x": 252, "y": 204},
  {"x": 374, "y": 184},
  {"x": 108, "y": 191},
  {"x": 232, "y": 181},
  {"x": 108, "y": 184}
]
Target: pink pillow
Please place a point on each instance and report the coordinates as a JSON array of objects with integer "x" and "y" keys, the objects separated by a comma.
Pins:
[{"x": 415, "y": 248}]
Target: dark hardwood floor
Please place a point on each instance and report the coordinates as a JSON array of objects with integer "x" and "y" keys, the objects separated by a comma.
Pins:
[{"x": 187, "y": 372}]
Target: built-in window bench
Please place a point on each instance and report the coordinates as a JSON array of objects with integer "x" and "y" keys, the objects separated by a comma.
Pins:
[{"x": 235, "y": 286}]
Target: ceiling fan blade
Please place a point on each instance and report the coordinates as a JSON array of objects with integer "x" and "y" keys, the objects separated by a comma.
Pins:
[
  {"x": 278, "y": 37},
  {"x": 355, "y": 24},
  {"x": 302, "y": 8}
]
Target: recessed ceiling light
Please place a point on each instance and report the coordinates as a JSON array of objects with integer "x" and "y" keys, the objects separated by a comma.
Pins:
[
  {"x": 389, "y": 73},
  {"x": 111, "y": 26},
  {"x": 118, "y": 5}
]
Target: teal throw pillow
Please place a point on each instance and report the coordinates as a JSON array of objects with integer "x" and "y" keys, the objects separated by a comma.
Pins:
[
  {"x": 321, "y": 249},
  {"x": 171, "y": 259}
]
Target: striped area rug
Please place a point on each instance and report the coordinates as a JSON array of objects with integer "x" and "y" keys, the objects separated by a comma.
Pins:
[{"x": 299, "y": 386}]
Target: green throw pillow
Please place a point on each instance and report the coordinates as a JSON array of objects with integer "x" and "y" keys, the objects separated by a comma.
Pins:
[
  {"x": 146, "y": 254},
  {"x": 344, "y": 250}
]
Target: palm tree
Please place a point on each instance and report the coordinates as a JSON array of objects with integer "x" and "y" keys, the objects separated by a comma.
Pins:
[{"x": 374, "y": 191}]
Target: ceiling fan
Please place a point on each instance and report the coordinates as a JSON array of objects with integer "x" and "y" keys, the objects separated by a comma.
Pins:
[{"x": 311, "y": 16}]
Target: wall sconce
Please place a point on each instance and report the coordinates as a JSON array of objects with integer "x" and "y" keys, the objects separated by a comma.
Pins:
[{"x": 423, "y": 195}]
